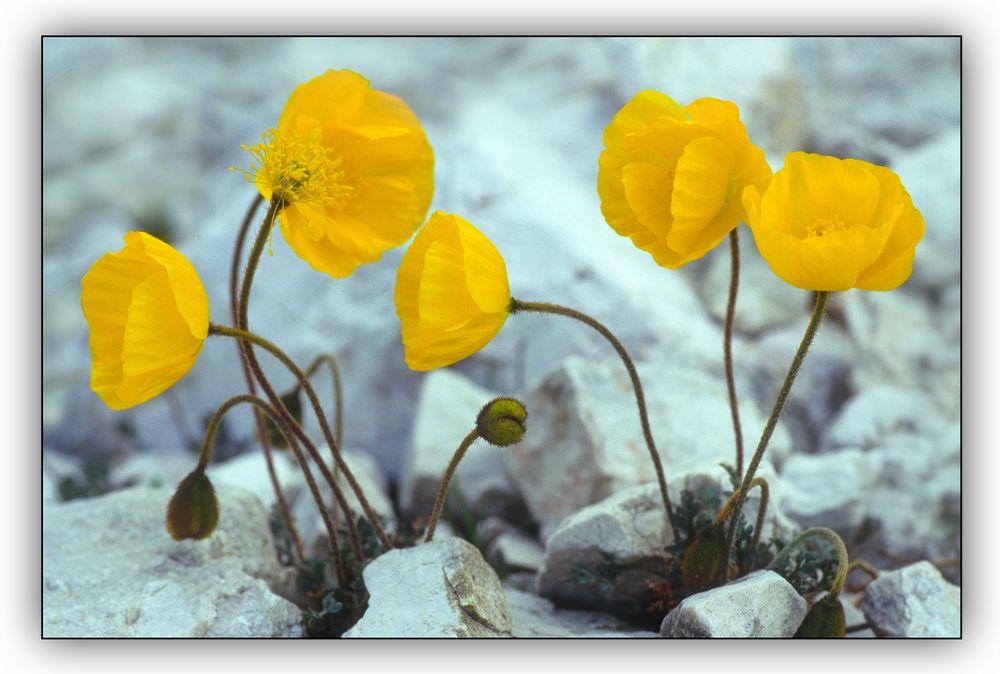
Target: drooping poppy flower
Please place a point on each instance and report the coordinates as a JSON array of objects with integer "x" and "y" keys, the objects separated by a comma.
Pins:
[
  {"x": 148, "y": 317},
  {"x": 452, "y": 294}
]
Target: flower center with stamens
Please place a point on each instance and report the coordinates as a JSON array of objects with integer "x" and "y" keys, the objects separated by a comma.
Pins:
[
  {"x": 298, "y": 168},
  {"x": 824, "y": 225}
]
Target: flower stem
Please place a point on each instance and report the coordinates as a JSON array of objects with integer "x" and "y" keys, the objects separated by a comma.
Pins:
[
  {"x": 338, "y": 395},
  {"x": 449, "y": 473},
  {"x": 542, "y": 307},
  {"x": 247, "y": 340},
  {"x": 838, "y": 543},
  {"x": 265, "y": 443},
  {"x": 206, "y": 456},
  {"x": 772, "y": 421},
  {"x": 761, "y": 511},
  {"x": 303, "y": 381},
  {"x": 734, "y": 283}
]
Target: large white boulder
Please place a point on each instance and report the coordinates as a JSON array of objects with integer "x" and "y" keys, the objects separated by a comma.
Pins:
[{"x": 110, "y": 569}]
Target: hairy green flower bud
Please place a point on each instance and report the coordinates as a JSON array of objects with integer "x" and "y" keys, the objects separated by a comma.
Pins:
[
  {"x": 703, "y": 559},
  {"x": 193, "y": 511},
  {"x": 825, "y": 620},
  {"x": 501, "y": 422}
]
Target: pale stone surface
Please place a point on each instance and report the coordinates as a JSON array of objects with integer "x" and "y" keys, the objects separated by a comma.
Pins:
[
  {"x": 534, "y": 617},
  {"x": 760, "y": 605},
  {"x": 585, "y": 441},
  {"x": 446, "y": 413},
  {"x": 830, "y": 490},
  {"x": 110, "y": 569},
  {"x": 915, "y": 601},
  {"x": 901, "y": 341},
  {"x": 507, "y": 548},
  {"x": 438, "y": 589}
]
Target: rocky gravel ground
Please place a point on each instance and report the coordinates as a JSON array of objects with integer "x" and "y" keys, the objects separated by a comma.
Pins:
[{"x": 139, "y": 133}]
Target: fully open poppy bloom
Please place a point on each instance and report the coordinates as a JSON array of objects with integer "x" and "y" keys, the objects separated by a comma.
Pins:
[
  {"x": 452, "y": 294},
  {"x": 148, "y": 316},
  {"x": 834, "y": 224},
  {"x": 352, "y": 168},
  {"x": 670, "y": 178}
]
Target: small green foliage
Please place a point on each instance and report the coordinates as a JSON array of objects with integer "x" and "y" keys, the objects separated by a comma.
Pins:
[
  {"x": 602, "y": 576},
  {"x": 703, "y": 561},
  {"x": 459, "y": 514},
  {"x": 809, "y": 567}
]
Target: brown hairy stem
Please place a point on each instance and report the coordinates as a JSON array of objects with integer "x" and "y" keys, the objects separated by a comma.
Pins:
[{"x": 734, "y": 283}]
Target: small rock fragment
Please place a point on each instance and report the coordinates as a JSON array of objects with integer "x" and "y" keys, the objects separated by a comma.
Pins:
[
  {"x": 760, "y": 605},
  {"x": 439, "y": 589},
  {"x": 915, "y": 601}
]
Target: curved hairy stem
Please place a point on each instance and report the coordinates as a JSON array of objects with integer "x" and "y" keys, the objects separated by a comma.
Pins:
[
  {"x": 838, "y": 543},
  {"x": 442, "y": 491},
  {"x": 640, "y": 398},
  {"x": 247, "y": 341},
  {"x": 265, "y": 443}
]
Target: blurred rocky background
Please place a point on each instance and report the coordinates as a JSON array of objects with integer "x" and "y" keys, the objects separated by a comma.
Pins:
[{"x": 139, "y": 134}]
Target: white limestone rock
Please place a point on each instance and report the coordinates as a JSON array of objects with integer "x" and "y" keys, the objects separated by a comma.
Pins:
[
  {"x": 439, "y": 589},
  {"x": 110, "y": 569},
  {"x": 536, "y": 618},
  {"x": 585, "y": 442},
  {"x": 911, "y": 489},
  {"x": 915, "y": 601},
  {"x": 902, "y": 342},
  {"x": 507, "y": 548},
  {"x": 446, "y": 412},
  {"x": 830, "y": 490},
  {"x": 625, "y": 535},
  {"x": 760, "y": 605}
]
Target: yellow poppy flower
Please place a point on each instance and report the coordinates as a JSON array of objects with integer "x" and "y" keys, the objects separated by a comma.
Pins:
[
  {"x": 148, "y": 316},
  {"x": 452, "y": 294},
  {"x": 670, "y": 178},
  {"x": 352, "y": 168},
  {"x": 834, "y": 224}
]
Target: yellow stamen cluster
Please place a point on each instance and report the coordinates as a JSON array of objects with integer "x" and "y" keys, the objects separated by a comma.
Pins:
[
  {"x": 824, "y": 225},
  {"x": 297, "y": 168}
]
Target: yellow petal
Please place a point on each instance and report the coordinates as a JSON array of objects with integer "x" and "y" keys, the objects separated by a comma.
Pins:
[
  {"x": 147, "y": 314},
  {"x": 452, "y": 294},
  {"x": 353, "y": 166},
  {"x": 703, "y": 189}
]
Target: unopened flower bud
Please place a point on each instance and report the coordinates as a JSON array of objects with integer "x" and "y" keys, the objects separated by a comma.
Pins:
[
  {"x": 825, "y": 620},
  {"x": 501, "y": 422},
  {"x": 703, "y": 559},
  {"x": 193, "y": 511}
]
